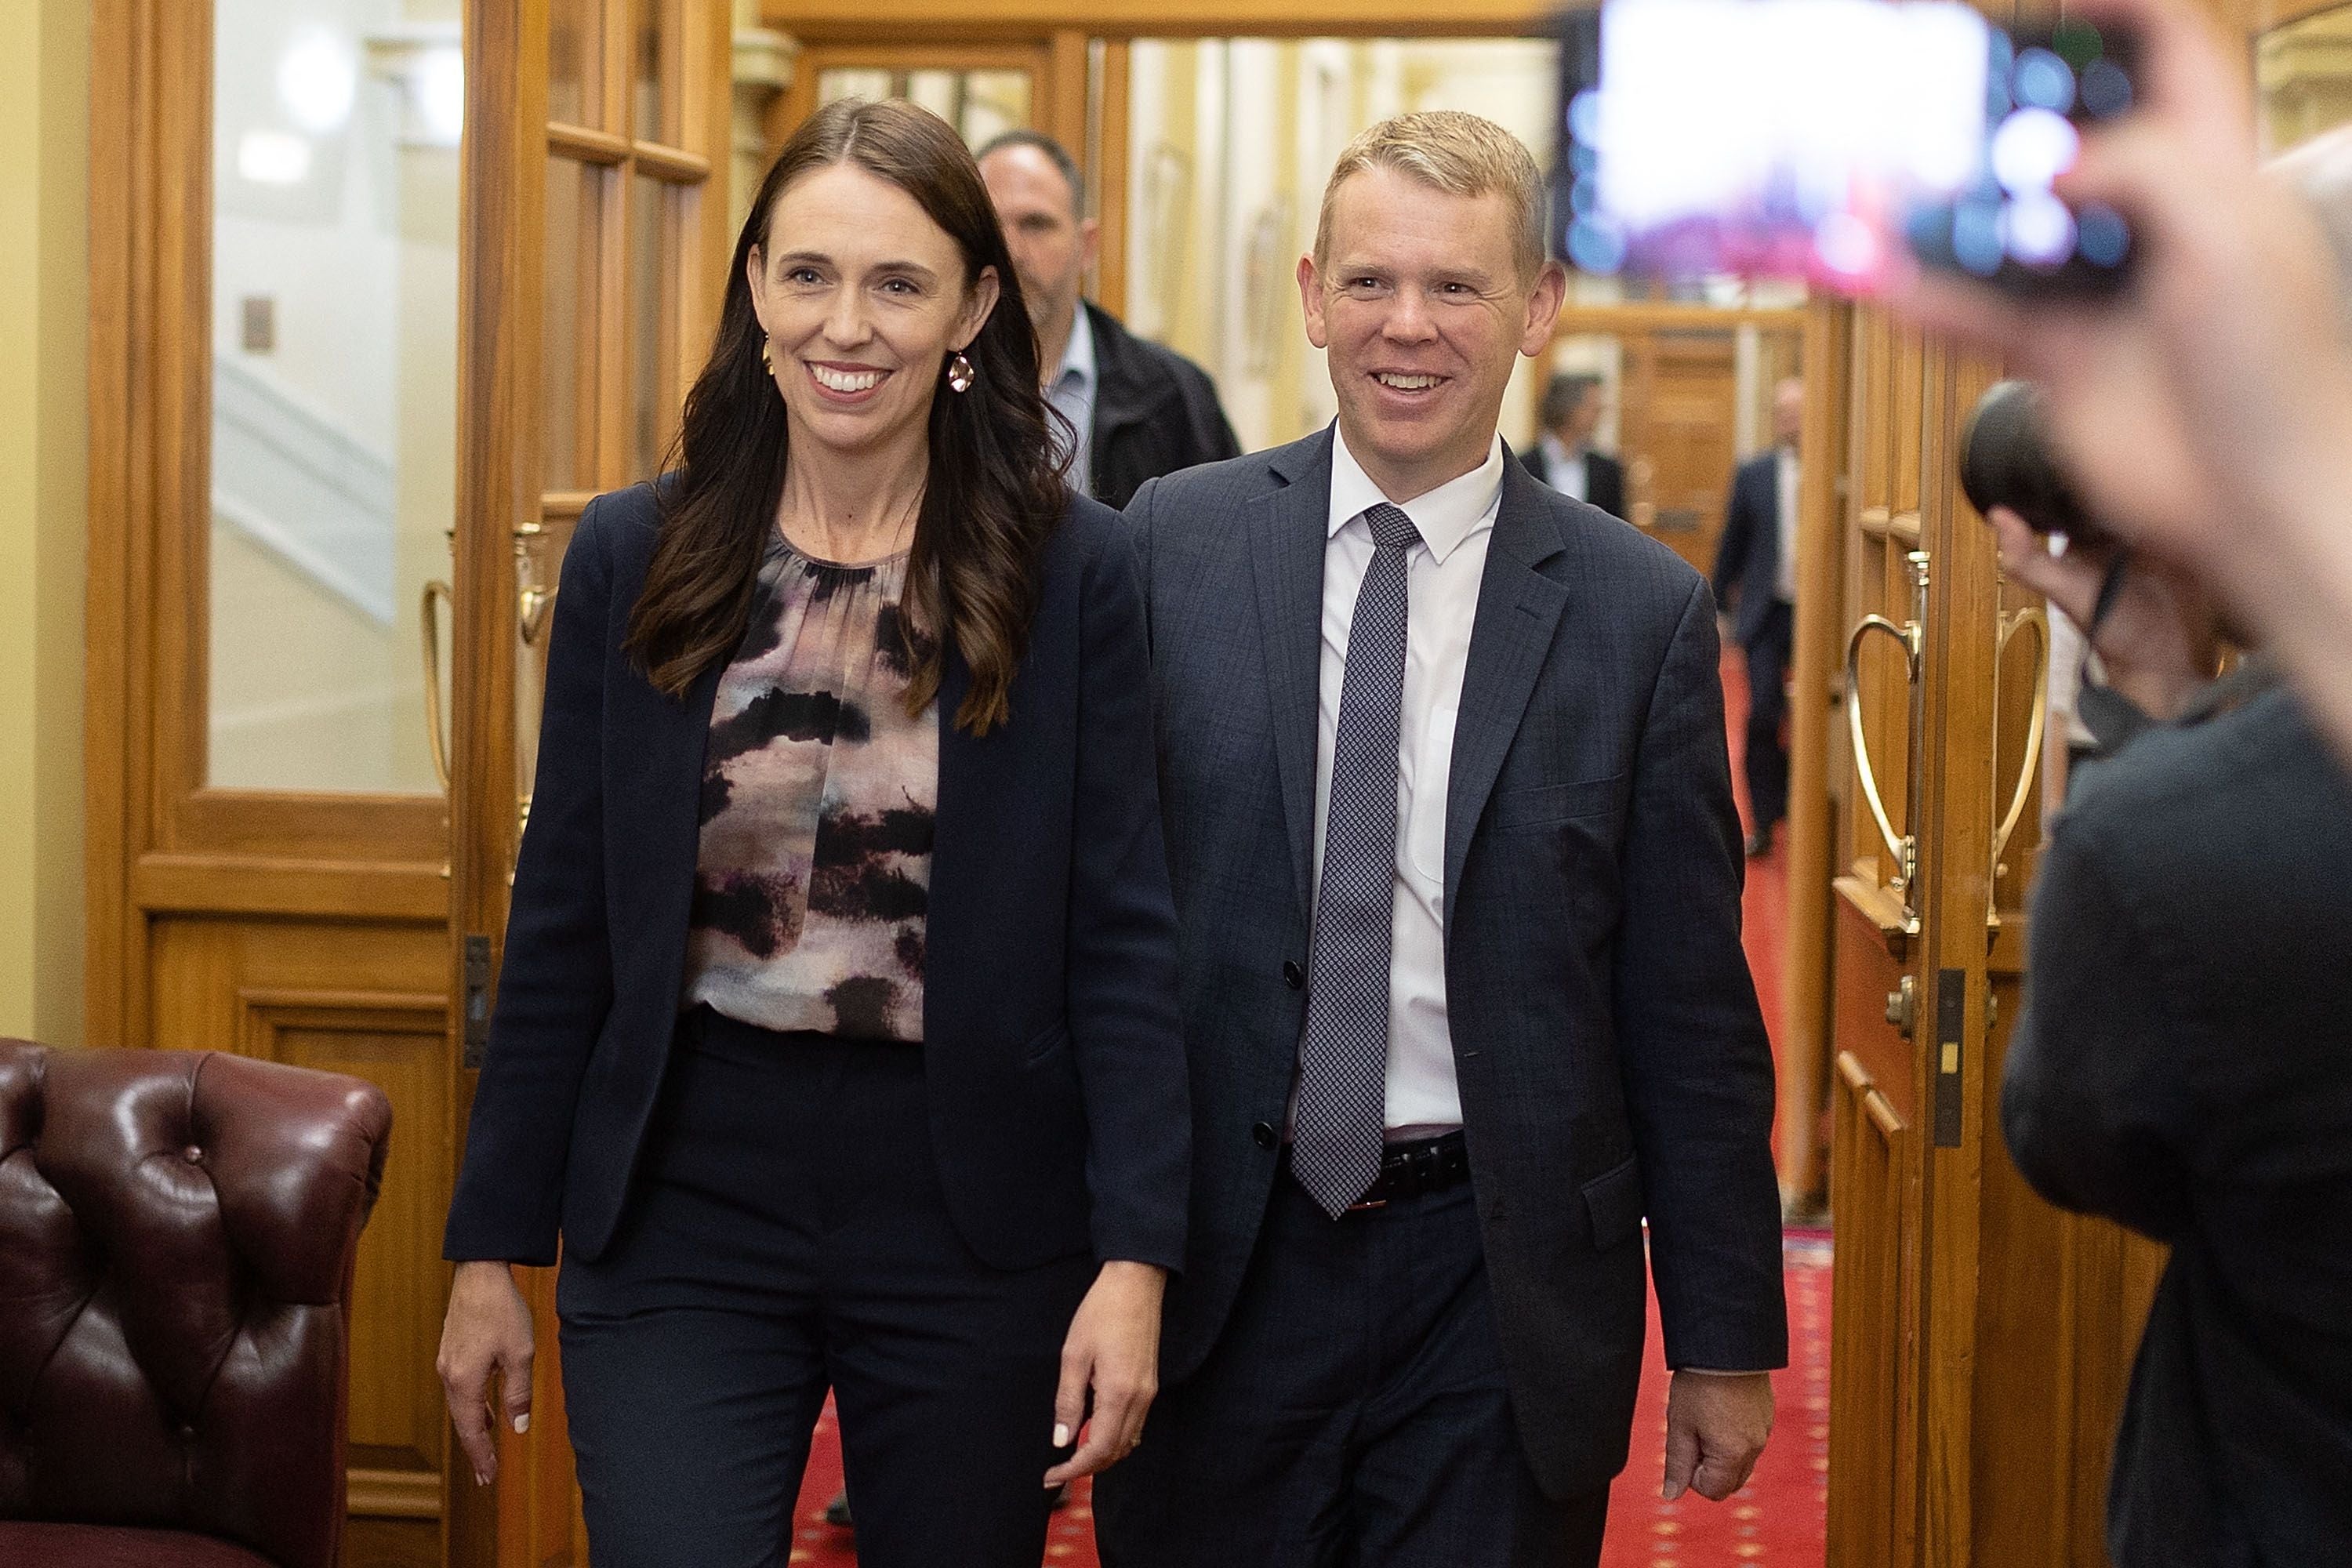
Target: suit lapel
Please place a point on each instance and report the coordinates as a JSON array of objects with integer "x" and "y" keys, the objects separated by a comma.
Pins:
[
  {"x": 1288, "y": 530},
  {"x": 1519, "y": 608}
]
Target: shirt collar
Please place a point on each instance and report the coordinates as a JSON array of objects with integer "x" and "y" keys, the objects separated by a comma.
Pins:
[
  {"x": 1078, "y": 356},
  {"x": 1445, "y": 516},
  {"x": 1558, "y": 450}
]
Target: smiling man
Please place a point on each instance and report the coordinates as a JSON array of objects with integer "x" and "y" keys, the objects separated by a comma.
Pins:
[
  {"x": 1450, "y": 821},
  {"x": 1136, "y": 409}
]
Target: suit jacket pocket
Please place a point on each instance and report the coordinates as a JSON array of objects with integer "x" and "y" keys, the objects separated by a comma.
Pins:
[
  {"x": 1052, "y": 1039},
  {"x": 1540, "y": 805},
  {"x": 1612, "y": 1202}
]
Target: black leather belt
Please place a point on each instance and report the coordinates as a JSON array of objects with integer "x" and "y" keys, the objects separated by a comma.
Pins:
[{"x": 1413, "y": 1170}]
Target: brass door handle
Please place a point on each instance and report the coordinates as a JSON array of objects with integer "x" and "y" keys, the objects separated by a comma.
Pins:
[
  {"x": 436, "y": 593},
  {"x": 1912, "y": 637},
  {"x": 2037, "y": 726}
]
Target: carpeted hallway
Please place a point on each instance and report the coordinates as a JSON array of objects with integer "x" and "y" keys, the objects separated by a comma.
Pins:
[{"x": 1777, "y": 1521}]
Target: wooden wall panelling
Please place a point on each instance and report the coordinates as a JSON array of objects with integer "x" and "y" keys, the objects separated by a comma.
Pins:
[
  {"x": 1807, "y": 1019},
  {"x": 1868, "y": 1527},
  {"x": 499, "y": 476},
  {"x": 1108, "y": 178},
  {"x": 121, "y": 169}
]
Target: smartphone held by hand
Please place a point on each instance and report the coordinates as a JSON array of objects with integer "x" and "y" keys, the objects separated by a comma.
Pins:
[{"x": 1834, "y": 142}]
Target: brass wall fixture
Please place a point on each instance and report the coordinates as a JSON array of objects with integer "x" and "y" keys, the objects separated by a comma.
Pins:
[
  {"x": 1912, "y": 637},
  {"x": 2037, "y": 724},
  {"x": 533, "y": 597}
]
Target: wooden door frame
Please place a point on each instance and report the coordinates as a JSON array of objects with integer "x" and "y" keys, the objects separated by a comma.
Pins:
[{"x": 158, "y": 840}]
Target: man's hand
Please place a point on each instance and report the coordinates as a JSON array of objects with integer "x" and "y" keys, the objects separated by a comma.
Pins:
[
  {"x": 2160, "y": 641},
  {"x": 1716, "y": 1425},
  {"x": 488, "y": 1331},
  {"x": 1113, "y": 1349}
]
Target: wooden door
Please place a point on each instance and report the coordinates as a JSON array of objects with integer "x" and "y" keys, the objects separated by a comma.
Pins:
[
  {"x": 273, "y": 262},
  {"x": 596, "y": 201},
  {"x": 1681, "y": 388},
  {"x": 320, "y": 412},
  {"x": 1980, "y": 1336}
]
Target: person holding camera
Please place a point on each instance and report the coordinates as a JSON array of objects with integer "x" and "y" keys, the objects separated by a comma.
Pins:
[
  {"x": 2183, "y": 1064},
  {"x": 2201, "y": 413}
]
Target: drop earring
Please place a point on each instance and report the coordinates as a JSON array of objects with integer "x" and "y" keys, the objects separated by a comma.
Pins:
[
  {"x": 960, "y": 373},
  {"x": 767, "y": 359}
]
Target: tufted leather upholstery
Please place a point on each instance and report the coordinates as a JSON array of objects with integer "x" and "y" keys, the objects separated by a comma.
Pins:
[{"x": 178, "y": 1232}]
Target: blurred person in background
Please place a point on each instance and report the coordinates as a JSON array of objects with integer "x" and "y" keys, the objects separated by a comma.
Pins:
[
  {"x": 1755, "y": 581},
  {"x": 1563, "y": 456},
  {"x": 1139, "y": 410},
  {"x": 2183, "y": 1064}
]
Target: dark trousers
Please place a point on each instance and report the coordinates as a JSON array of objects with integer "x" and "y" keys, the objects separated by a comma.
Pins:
[
  {"x": 1767, "y": 711},
  {"x": 1354, "y": 1414},
  {"x": 787, "y": 1234}
]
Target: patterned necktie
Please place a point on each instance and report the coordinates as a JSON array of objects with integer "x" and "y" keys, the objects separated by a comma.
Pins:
[{"x": 1343, "y": 1053}]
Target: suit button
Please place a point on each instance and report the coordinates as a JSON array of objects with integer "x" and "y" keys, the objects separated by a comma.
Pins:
[
  {"x": 1292, "y": 975},
  {"x": 1264, "y": 1135}
]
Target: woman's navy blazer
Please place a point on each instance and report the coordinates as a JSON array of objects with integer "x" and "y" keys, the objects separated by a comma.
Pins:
[{"x": 1052, "y": 1059}]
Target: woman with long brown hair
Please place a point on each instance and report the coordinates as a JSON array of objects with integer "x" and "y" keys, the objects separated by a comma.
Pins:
[{"x": 836, "y": 1039}]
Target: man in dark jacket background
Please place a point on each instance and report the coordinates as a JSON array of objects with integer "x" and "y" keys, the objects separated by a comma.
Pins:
[
  {"x": 1756, "y": 581},
  {"x": 1140, "y": 410}
]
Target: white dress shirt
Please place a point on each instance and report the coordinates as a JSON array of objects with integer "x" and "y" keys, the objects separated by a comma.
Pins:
[
  {"x": 1786, "y": 587},
  {"x": 1441, "y": 576},
  {"x": 1563, "y": 468},
  {"x": 1071, "y": 389}
]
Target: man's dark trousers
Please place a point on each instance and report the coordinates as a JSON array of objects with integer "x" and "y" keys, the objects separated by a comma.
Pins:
[
  {"x": 1353, "y": 1415},
  {"x": 1768, "y": 714}
]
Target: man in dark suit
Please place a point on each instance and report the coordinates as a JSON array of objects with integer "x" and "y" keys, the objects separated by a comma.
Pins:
[
  {"x": 2182, "y": 1067},
  {"x": 1756, "y": 578},
  {"x": 1139, "y": 410},
  {"x": 1563, "y": 456},
  {"x": 1449, "y": 820}
]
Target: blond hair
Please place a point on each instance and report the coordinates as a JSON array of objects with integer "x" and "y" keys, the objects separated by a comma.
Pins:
[{"x": 1461, "y": 154}]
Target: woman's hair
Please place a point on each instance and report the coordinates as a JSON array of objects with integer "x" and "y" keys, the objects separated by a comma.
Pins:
[{"x": 995, "y": 493}]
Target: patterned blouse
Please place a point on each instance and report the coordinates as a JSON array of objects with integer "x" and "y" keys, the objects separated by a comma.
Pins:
[{"x": 814, "y": 876}]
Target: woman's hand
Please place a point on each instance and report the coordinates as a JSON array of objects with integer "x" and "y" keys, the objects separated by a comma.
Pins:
[
  {"x": 487, "y": 1329},
  {"x": 1113, "y": 1349}
]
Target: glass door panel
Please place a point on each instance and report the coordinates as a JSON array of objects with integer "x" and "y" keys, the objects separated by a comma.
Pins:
[
  {"x": 333, "y": 387},
  {"x": 575, "y": 61},
  {"x": 568, "y": 348}
]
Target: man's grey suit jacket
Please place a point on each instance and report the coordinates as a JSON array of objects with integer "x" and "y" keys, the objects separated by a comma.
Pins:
[{"x": 1612, "y": 1061}]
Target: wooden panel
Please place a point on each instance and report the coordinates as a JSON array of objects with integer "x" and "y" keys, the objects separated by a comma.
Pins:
[
  {"x": 366, "y": 1001},
  {"x": 2022, "y": 1453},
  {"x": 391, "y": 1543},
  {"x": 1107, "y": 179},
  {"x": 1680, "y": 435},
  {"x": 392, "y": 1039},
  {"x": 1865, "y": 974},
  {"x": 1868, "y": 1524},
  {"x": 1807, "y": 1022}
]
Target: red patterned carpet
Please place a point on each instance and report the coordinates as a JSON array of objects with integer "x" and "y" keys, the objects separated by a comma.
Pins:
[{"x": 1776, "y": 1522}]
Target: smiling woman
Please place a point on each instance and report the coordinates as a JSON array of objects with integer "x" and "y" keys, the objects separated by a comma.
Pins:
[{"x": 837, "y": 1039}]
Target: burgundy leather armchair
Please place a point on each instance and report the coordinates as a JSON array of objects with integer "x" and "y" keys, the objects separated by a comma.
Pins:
[{"x": 178, "y": 1232}]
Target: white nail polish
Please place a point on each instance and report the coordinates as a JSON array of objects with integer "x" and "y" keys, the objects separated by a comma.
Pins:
[
  {"x": 522, "y": 1424},
  {"x": 1061, "y": 1435}
]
